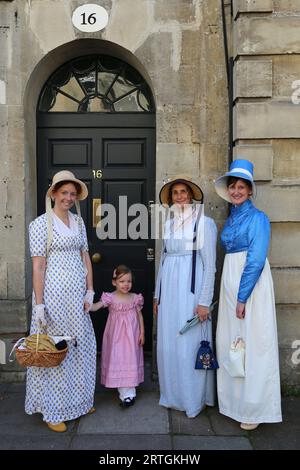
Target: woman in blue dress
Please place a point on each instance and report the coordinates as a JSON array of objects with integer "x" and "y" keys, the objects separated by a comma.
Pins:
[
  {"x": 62, "y": 296},
  {"x": 247, "y": 306},
  {"x": 185, "y": 286}
]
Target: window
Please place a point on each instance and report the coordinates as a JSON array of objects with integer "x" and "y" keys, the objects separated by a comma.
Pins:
[{"x": 96, "y": 84}]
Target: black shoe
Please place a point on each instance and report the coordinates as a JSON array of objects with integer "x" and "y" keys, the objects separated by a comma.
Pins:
[{"x": 127, "y": 402}]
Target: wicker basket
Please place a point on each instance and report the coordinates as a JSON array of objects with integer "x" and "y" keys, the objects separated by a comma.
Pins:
[
  {"x": 38, "y": 358},
  {"x": 28, "y": 358}
]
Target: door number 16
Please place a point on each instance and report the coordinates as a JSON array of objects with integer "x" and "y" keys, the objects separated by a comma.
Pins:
[{"x": 97, "y": 174}]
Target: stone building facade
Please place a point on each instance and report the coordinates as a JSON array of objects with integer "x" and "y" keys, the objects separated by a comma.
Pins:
[{"x": 178, "y": 48}]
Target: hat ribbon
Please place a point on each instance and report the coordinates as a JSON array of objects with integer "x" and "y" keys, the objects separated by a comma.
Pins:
[{"x": 241, "y": 170}]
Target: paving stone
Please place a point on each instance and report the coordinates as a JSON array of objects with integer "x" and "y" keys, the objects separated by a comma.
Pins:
[
  {"x": 14, "y": 388},
  {"x": 222, "y": 425},
  {"x": 121, "y": 442},
  {"x": 291, "y": 411},
  {"x": 29, "y": 442},
  {"x": 145, "y": 417},
  {"x": 15, "y": 422},
  {"x": 211, "y": 443},
  {"x": 145, "y": 426},
  {"x": 199, "y": 425},
  {"x": 276, "y": 436},
  {"x": 3, "y": 388}
]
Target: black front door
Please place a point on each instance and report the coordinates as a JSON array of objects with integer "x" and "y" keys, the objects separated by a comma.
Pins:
[{"x": 115, "y": 156}]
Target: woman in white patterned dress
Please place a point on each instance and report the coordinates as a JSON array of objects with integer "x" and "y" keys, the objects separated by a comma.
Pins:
[
  {"x": 62, "y": 296},
  {"x": 185, "y": 286}
]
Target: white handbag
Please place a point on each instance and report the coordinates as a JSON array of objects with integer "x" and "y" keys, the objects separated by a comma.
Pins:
[{"x": 235, "y": 363}]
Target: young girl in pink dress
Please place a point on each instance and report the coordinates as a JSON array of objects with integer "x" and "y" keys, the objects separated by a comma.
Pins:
[{"x": 122, "y": 361}]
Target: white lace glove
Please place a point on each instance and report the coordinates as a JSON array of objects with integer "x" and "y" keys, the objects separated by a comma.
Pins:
[
  {"x": 40, "y": 314},
  {"x": 89, "y": 298}
]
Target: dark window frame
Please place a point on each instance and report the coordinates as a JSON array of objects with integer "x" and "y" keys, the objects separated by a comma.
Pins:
[{"x": 124, "y": 84}]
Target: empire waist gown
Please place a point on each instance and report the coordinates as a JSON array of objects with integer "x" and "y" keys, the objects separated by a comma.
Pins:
[
  {"x": 181, "y": 386},
  {"x": 122, "y": 360},
  {"x": 247, "y": 278},
  {"x": 64, "y": 392}
]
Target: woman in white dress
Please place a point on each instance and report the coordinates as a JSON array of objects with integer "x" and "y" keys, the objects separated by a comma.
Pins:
[
  {"x": 247, "y": 307},
  {"x": 62, "y": 296},
  {"x": 185, "y": 286}
]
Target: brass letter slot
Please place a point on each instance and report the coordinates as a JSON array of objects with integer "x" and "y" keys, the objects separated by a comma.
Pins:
[{"x": 96, "y": 210}]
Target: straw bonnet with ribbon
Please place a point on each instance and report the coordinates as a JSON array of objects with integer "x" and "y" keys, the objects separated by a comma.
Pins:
[
  {"x": 239, "y": 168},
  {"x": 165, "y": 190},
  {"x": 59, "y": 177}
]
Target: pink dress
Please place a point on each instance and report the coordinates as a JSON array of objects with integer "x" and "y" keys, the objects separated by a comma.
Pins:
[{"x": 122, "y": 360}]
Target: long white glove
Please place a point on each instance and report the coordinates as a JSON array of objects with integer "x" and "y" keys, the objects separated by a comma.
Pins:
[
  {"x": 89, "y": 298},
  {"x": 40, "y": 314}
]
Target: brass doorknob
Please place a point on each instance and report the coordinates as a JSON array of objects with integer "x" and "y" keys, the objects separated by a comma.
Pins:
[{"x": 96, "y": 258}]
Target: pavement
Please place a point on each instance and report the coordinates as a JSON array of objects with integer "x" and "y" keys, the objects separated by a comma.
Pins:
[{"x": 146, "y": 426}]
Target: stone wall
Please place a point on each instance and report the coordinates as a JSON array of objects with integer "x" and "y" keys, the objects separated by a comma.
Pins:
[{"x": 267, "y": 131}]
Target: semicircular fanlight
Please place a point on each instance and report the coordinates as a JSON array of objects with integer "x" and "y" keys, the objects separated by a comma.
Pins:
[{"x": 96, "y": 84}]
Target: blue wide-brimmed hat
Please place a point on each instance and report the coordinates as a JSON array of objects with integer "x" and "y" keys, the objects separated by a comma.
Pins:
[{"x": 239, "y": 168}]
